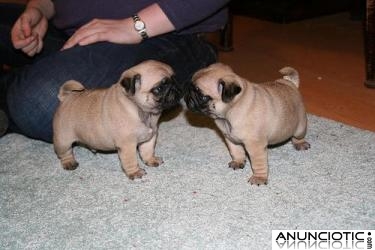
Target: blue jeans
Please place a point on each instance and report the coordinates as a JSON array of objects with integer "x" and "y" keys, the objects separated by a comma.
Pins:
[{"x": 32, "y": 91}]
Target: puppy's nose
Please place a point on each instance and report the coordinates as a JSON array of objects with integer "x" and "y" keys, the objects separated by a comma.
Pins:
[
  {"x": 191, "y": 103},
  {"x": 172, "y": 96}
]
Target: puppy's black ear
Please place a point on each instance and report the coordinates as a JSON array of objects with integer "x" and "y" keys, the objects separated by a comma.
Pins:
[
  {"x": 228, "y": 90},
  {"x": 130, "y": 83}
]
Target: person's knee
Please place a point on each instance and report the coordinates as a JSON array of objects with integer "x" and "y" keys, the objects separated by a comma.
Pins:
[{"x": 31, "y": 107}]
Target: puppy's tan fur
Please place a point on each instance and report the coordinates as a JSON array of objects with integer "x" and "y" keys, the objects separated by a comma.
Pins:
[
  {"x": 253, "y": 116},
  {"x": 111, "y": 119}
]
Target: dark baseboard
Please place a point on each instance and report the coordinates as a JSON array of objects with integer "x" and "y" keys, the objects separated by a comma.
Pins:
[{"x": 284, "y": 11}]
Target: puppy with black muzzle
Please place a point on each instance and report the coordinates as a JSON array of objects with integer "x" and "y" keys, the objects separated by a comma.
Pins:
[
  {"x": 250, "y": 115},
  {"x": 122, "y": 117}
]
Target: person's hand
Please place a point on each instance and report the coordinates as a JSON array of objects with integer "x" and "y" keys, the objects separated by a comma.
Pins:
[
  {"x": 100, "y": 30},
  {"x": 29, "y": 30}
]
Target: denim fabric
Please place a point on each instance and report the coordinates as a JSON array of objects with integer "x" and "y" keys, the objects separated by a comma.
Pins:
[{"x": 32, "y": 94}]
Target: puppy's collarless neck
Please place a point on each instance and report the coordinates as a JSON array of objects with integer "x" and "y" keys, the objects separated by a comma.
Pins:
[
  {"x": 147, "y": 118},
  {"x": 225, "y": 124}
]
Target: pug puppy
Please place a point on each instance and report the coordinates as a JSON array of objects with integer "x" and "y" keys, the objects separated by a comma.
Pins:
[
  {"x": 250, "y": 115},
  {"x": 122, "y": 117}
]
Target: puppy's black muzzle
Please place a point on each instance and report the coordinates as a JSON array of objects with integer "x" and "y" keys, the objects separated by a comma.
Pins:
[
  {"x": 167, "y": 93},
  {"x": 196, "y": 101}
]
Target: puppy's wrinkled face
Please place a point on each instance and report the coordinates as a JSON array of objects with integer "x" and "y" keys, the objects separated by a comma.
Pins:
[
  {"x": 212, "y": 90},
  {"x": 151, "y": 86}
]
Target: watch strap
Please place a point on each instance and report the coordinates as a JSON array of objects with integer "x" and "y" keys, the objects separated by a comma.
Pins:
[{"x": 142, "y": 32}]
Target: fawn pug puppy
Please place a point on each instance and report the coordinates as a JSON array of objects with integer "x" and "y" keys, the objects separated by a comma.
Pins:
[
  {"x": 122, "y": 117},
  {"x": 250, "y": 115}
]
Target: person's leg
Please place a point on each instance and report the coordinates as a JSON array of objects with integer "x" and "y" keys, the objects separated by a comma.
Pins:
[
  {"x": 185, "y": 54},
  {"x": 32, "y": 97},
  {"x": 3, "y": 122}
]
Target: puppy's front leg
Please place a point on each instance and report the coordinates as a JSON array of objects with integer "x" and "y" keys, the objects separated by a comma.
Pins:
[
  {"x": 127, "y": 153},
  {"x": 147, "y": 153},
  {"x": 237, "y": 153},
  {"x": 259, "y": 161}
]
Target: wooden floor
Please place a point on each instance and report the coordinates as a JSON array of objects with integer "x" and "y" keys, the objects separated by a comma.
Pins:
[{"x": 327, "y": 52}]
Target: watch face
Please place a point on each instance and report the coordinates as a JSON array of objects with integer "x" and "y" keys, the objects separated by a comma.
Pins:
[{"x": 139, "y": 25}]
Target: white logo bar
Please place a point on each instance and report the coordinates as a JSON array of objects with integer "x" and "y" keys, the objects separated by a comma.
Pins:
[{"x": 322, "y": 239}]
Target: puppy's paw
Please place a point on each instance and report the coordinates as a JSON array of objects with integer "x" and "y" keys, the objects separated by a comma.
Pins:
[
  {"x": 258, "y": 180},
  {"x": 236, "y": 165},
  {"x": 69, "y": 165},
  {"x": 137, "y": 175},
  {"x": 301, "y": 145},
  {"x": 154, "y": 162}
]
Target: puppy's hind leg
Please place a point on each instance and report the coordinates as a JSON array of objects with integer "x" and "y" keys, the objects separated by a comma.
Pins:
[
  {"x": 64, "y": 151},
  {"x": 298, "y": 138},
  {"x": 300, "y": 144}
]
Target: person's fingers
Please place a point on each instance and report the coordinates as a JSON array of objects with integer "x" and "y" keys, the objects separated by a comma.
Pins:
[
  {"x": 25, "y": 26},
  {"x": 31, "y": 48},
  {"x": 94, "y": 31},
  {"x": 93, "y": 38},
  {"x": 40, "y": 46},
  {"x": 31, "y": 51},
  {"x": 78, "y": 37},
  {"x": 19, "y": 43},
  {"x": 69, "y": 44}
]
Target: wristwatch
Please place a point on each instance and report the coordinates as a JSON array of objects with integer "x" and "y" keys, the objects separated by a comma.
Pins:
[{"x": 140, "y": 26}]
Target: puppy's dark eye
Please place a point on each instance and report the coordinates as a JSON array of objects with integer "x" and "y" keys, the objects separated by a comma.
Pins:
[
  {"x": 162, "y": 87},
  {"x": 206, "y": 98},
  {"x": 203, "y": 98},
  {"x": 157, "y": 90}
]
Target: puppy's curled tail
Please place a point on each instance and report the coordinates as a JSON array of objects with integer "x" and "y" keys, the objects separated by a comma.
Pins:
[
  {"x": 291, "y": 75},
  {"x": 69, "y": 88}
]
